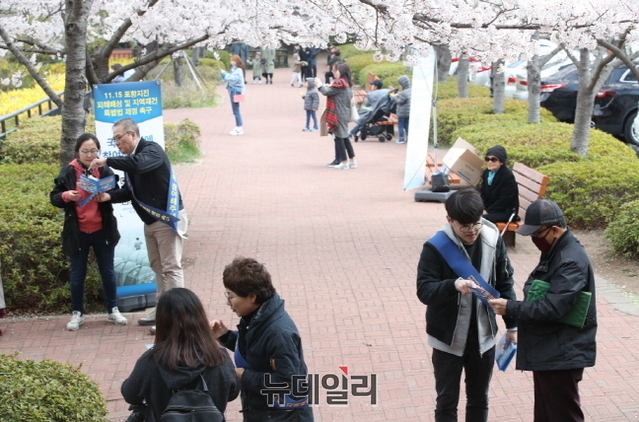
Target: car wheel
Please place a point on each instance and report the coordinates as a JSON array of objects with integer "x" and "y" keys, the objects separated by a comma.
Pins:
[{"x": 631, "y": 129}]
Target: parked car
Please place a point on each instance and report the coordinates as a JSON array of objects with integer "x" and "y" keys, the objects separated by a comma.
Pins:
[
  {"x": 548, "y": 71},
  {"x": 615, "y": 106}
]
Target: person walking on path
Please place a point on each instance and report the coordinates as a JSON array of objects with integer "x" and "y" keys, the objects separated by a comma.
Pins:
[
  {"x": 152, "y": 188},
  {"x": 268, "y": 64},
  {"x": 88, "y": 223},
  {"x": 311, "y": 104},
  {"x": 296, "y": 78},
  {"x": 257, "y": 68},
  {"x": 403, "y": 108},
  {"x": 556, "y": 352},
  {"x": 234, "y": 80},
  {"x": 338, "y": 113},
  {"x": 466, "y": 254}
]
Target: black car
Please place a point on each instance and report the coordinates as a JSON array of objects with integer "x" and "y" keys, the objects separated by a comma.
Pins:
[{"x": 615, "y": 104}]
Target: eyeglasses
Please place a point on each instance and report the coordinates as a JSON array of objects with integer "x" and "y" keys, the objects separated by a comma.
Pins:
[
  {"x": 229, "y": 297},
  {"x": 491, "y": 159},
  {"x": 89, "y": 151},
  {"x": 539, "y": 233},
  {"x": 476, "y": 227},
  {"x": 118, "y": 137}
]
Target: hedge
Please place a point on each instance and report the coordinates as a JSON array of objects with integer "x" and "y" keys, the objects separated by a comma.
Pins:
[
  {"x": 623, "y": 231},
  {"x": 47, "y": 391}
]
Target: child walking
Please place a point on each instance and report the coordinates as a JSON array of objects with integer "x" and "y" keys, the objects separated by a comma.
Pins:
[
  {"x": 311, "y": 104},
  {"x": 257, "y": 68},
  {"x": 296, "y": 79}
]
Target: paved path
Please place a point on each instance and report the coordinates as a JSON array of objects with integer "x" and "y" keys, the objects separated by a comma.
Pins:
[{"x": 342, "y": 246}]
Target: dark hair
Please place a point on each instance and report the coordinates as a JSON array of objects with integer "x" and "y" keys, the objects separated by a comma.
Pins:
[
  {"x": 129, "y": 125},
  {"x": 344, "y": 72},
  {"x": 246, "y": 276},
  {"x": 337, "y": 52},
  {"x": 83, "y": 138},
  {"x": 183, "y": 334},
  {"x": 465, "y": 206},
  {"x": 238, "y": 61}
]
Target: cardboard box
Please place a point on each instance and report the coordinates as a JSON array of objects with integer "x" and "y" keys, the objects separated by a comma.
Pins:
[{"x": 461, "y": 159}]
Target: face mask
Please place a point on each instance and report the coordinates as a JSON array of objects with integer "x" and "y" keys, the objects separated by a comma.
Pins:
[{"x": 542, "y": 244}]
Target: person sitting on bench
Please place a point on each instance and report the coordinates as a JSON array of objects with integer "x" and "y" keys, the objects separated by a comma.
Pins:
[{"x": 498, "y": 188}]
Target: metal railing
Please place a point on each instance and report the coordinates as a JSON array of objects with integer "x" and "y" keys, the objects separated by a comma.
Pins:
[{"x": 44, "y": 108}]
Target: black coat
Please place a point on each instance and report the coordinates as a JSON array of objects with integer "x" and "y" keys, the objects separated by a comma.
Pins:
[
  {"x": 67, "y": 180},
  {"x": 544, "y": 344},
  {"x": 149, "y": 171},
  {"x": 270, "y": 343},
  {"x": 153, "y": 384},
  {"x": 503, "y": 195}
]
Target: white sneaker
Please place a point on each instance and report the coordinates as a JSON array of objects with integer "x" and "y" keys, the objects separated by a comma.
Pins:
[
  {"x": 237, "y": 131},
  {"x": 76, "y": 320},
  {"x": 352, "y": 164},
  {"x": 342, "y": 166},
  {"x": 116, "y": 317}
]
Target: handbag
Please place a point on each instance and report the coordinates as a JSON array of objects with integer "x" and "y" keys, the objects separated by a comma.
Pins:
[
  {"x": 576, "y": 316},
  {"x": 354, "y": 113},
  {"x": 238, "y": 98}
]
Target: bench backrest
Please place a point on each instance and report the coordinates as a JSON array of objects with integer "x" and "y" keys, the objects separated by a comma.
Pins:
[{"x": 532, "y": 186}]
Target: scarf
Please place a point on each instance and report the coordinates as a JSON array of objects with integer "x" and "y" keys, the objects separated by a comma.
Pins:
[{"x": 331, "y": 116}]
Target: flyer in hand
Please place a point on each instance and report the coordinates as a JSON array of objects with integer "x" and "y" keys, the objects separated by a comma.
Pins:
[
  {"x": 95, "y": 186},
  {"x": 503, "y": 356},
  {"x": 484, "y": 293}
]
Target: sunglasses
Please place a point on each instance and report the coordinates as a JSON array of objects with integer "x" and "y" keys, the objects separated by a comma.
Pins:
[{"x": 491, "y": 159}]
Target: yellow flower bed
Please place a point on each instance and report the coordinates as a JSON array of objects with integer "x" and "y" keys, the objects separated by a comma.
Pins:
[{"x": 17, "y": 99}]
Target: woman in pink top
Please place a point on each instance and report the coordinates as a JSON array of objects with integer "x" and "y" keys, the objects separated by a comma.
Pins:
[{"x": 88, "y": 225}]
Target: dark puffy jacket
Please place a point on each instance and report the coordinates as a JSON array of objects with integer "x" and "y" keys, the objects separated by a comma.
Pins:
[
  {"x": 67, "y": 180},
  {"x": 503, "y": 195},
  {"x": 403, "y": 98},
  {"x": 270, "y": 343},
  {"x": 544, "y": 344}
]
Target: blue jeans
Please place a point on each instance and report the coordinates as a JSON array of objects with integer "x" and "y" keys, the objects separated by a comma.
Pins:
[
  {"x": 311, "y": 114},
  {"x": 104, "y": 256},
  {"x": 236, "y": 111},
  {"x": 402, "y": 126}
]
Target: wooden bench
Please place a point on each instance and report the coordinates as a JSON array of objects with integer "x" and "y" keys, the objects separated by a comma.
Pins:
[{"x": 532, "y": 186}]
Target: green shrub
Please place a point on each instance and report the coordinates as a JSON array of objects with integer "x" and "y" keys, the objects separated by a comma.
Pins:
[
  {"x": 224, "y": 57},
  {"x": 386, "y": 71},
  {"x": 357, "y": 63},
  {"x": 182, "y": 141},
  {"x": 47, "y": 391},
  {"x": 623, "y": 231},
  {"x": 591, "y": 192},
  {"x": 455, "y": 113},
  {"x": 448, "y": 89},
  {"x": 539, "y": 144},
  {"x": 349, "y": 50}
]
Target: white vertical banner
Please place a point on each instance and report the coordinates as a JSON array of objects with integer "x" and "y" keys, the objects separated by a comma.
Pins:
[
  {"x": 141, "y": 101},
  {"x": 419, "y": 123}
]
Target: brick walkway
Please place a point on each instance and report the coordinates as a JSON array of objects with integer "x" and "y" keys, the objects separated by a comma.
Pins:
[{"x": 342, "y": 247}]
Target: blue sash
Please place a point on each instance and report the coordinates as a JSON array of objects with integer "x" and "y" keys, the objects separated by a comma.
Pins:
[
  {"x": 462, "y": 266},
  {"x": 170, "y": 216}
]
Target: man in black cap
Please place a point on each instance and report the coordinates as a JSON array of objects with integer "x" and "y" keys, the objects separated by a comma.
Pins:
[
  {"x": 556, "y": 352},
  {"x": 499, "y": 189}
]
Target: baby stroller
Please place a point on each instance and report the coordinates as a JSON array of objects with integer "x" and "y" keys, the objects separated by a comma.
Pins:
[{"x": 379, "y": 108}]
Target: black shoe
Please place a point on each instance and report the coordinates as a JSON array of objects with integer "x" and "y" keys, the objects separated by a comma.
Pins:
[{"x": 334, "y": 163}]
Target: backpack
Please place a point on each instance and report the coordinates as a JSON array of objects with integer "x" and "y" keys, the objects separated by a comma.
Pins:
[{"x": 192, "y": 405}]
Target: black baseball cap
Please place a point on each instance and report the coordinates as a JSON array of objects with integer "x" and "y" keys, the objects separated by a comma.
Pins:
[
  {"x": 378, "y": 83},
  {"x": 541, "y": 212}
]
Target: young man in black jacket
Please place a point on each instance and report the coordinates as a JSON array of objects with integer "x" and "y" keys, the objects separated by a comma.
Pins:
[
  {"x": 461, "y": 328},
  {"x": 554, "y": 351}
]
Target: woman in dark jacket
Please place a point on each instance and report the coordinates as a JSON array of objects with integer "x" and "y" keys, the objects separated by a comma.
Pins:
[
  {"x": 338, "y": 112},
  {"x": 499, "y": 189},
  {"x": 184, "y": 349},
  {"x": 89, "y": 224},
  {"x": 267, "y": 345}
]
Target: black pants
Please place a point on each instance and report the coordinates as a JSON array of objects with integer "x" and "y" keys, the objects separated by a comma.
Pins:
[
  {"x": 557, "y": 396},
  {"x": 478, "y": 371},
  {"x": 327, "y": 77}
]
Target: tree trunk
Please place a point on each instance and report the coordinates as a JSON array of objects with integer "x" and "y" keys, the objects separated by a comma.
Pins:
[
  {"x": 73, "y": 113},
  {"x": 462, "y": 77},
  {"x": 499, "y": 87},
  {"x": 443, "y": 62},
  {"x": 534, "y": 89},
  {"x": 178, "y": 70},
  {"x": 198, "y": 52}
]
